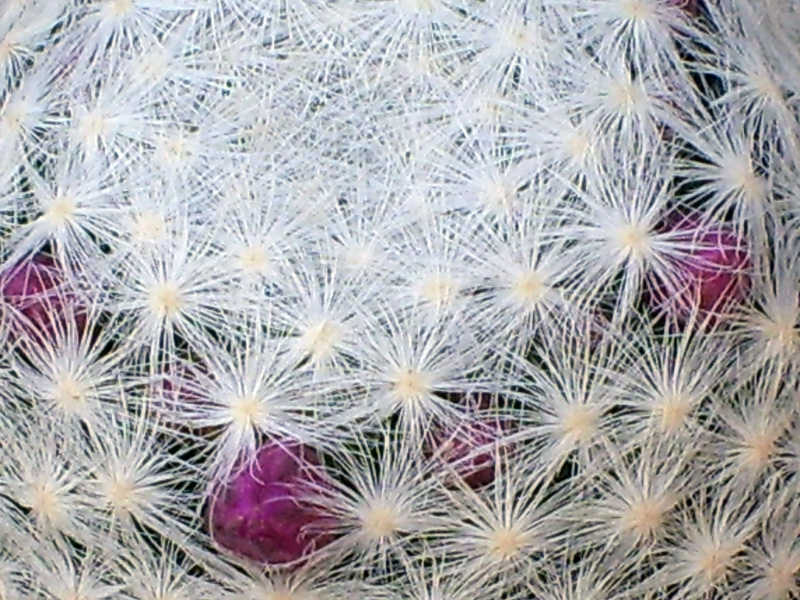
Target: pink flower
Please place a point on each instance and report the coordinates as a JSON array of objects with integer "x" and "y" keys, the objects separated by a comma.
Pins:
[
  {"x": 35, "y": 290},
  {"x": 712, "y": 274},
  {"x": 265, "y": 513}
]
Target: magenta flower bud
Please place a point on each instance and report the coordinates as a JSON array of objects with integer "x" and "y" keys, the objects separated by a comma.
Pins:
[
  {"x": 266, "y": 512},
  {"x": 177, "y": 385},
  {"x": 691, "y": 7},
  {"x": 712, "y": 276},
  {"x": 35, "y": 290},
  {"x": 468, "y": 449},
  {"x": 178, "y": 392}
]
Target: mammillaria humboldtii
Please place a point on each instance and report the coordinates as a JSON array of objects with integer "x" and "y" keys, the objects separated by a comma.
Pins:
[{"x": 230, "y": 228}]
